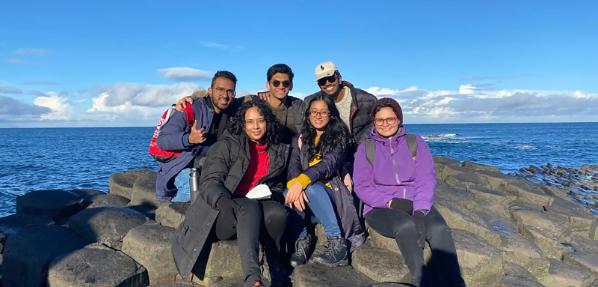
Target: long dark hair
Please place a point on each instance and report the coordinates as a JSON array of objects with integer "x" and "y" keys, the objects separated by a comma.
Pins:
[
  {"x": 336, "y": 134},
  {"x": 237, "y": 124}
]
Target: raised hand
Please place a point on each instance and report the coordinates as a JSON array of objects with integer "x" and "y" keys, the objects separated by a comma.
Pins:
[{"x": 197, "y": 136}]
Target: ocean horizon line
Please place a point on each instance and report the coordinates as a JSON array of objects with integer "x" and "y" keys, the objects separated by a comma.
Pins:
[{"x": 413, "y": 124}]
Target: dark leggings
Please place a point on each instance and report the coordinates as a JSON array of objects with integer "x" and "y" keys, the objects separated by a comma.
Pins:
[
  {"x": 252, "y": 217},
  {"x": 401, "y": 226}
]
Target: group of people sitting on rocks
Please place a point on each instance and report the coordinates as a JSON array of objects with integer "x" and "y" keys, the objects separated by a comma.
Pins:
[{"x": 271, "y": 165}]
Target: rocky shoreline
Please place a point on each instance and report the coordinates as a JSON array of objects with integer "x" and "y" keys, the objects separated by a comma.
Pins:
[
  {"x": 508, "y": 232},
  {"x": 581, "y": 183}
]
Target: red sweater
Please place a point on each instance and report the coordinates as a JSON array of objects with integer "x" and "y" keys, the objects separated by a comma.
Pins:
[{"x": 258, "y": 168}]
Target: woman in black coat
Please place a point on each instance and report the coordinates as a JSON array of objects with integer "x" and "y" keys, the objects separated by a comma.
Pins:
[{"x": 249, "y": 155}]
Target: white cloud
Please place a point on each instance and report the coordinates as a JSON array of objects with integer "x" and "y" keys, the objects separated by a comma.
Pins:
[
  {"x": 60, "y": 109},
  {"x": 34, "y": 52},
  {"x": 471, "y": 103},
  {"x": 14, "y": 110},
  {"x": 467, "y": 89},
  {"x": 185, "y": 74},
  {"x": 136, "y": 104}
]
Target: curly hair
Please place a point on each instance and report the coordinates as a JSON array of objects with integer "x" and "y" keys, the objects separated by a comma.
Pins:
[
  {"x": 237, "y": 124},
  {"x": 336, "y": 134}
]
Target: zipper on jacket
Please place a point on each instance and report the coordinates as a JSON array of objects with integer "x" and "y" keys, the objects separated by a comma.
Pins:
[{"x": 394, "y": 162}]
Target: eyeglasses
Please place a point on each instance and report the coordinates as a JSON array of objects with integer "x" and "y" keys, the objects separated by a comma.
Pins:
[
  {"x": 222, "y": 90},
  {"x": 387, "y": 121},
  {"x": 329, "y": 79},
  {"x": 323, "y": 114},
  {"x": 277, "y": 83}
]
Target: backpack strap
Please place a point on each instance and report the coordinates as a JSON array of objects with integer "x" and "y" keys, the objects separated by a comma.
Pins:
[
  {"x": 190, "y": 115},
  {"x": 412, "y": 143},
  {"x": 370, "y": 148},
  {"x": 370, "y": 151}
]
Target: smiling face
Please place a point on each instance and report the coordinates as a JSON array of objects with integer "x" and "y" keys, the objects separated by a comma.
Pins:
[
  {"x": 386, "y": 122},
  {"x": 255, "y": 124},
  {"x": 222, "y": 93},
  {"x": 319, "y": 115},
  {"x": 280, "y": 85},
  {"x": 330, "y": 85}
]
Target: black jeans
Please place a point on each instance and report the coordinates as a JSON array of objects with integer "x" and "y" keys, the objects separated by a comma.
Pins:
[
  {"x": 253, "y": 217},
  {"x": 401, "y": 226}
]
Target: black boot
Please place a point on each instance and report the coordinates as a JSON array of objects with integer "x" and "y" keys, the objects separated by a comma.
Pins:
[
  {"x": 335, "y": 254},
  {"x": 302, "y": 250}
]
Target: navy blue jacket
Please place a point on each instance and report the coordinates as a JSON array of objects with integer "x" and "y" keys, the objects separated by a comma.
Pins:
[{"x": 174, "y": 135}]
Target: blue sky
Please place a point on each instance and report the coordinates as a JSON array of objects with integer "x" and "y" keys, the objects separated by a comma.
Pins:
[{"x": 119, "y": 63}]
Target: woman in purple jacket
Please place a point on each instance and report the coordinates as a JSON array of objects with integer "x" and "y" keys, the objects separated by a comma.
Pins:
[{"x": 397, "y": 185}]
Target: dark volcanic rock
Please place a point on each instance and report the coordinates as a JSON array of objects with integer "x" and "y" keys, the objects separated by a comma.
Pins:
[
  {"x": 106, "y": 225},
  {"x": 149, "y": 244},
  {"x": 12, "y": 223},
  {"x": 317, "y": 275},
  {"x": 28, "y": 253},
  {"x": 122, "y": 183},
  {"x": 109, "y": 200},
  {"x": 57, "y": 204},
  {"x": 96, "y": 266}
]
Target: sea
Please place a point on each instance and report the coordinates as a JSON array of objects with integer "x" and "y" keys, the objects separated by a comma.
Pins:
[{"x": 76, "y": 158}]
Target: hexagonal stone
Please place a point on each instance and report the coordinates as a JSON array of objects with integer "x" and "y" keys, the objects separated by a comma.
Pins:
[
  {"x": 28, "y": 253},
  {"x": 594, "y": 230},
  {"x": 521, "y": 251},
  {"x": 317, "y": 275},
  {"x": 87, "y": 193},
  {"x": 96, "y": 266},
  {"x": 391, "y": 284},
  {"x": 579, "y": 217},
  {"x": 517, "y": 276},
  {"x": 109, "y": 200},
  {"x": 122, "y": 183},
  {"x": 171, "y": 214},
  {"x": 529, "y": 193},
  {"x": 546, "y": 229},
  {"x": 12, "y": 223},
  {"x": 144, "y": 191},
  {"x": 223, "y": 261},
  {"x": 57, "y": 204},
  {"x": 459, "y": 218},
  {"x": 481, "y": 263},
  {"x": 561, "y": 274},
  {"x": 149, "y": 244},
  {"x": 379, "y": 264},
  {"x": 477, "y": 167},
  {"x": 587, "y": 260},
  {"x": 376, "y": 239},
  {"x": 106, "y": 225}
]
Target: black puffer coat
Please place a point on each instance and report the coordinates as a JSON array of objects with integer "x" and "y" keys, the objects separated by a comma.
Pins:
[{"x": 223, "y": 170}]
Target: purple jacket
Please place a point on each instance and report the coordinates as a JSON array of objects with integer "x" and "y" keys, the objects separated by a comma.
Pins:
[{"x": 411, "y": 179}]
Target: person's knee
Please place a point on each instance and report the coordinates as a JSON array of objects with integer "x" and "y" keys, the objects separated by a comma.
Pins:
[
  {"x": 315, "y": 191},
  {"x": 277, "y": 214},
  {"x": 248, "y": 207},
  {"x": 438, "y": 230},
  {"x": 405, "y": 227}
]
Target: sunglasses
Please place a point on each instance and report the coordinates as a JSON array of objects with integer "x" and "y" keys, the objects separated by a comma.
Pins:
[
  {"x": 329, "y": 79},
  {"x": 277, "y": 83}
]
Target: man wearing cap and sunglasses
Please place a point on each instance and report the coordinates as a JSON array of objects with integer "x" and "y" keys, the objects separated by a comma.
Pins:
[{"x": 354, "y": 105}]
